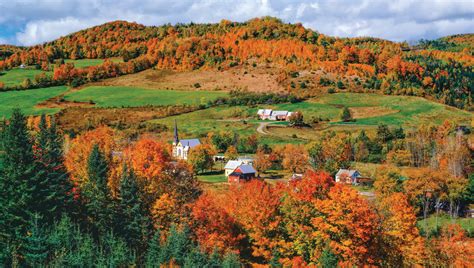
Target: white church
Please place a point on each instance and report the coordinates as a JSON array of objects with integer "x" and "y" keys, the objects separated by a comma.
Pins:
[{"x": 181, "y": 148}]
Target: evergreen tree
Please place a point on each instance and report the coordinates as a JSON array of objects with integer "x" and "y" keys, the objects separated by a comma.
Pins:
[
  {"x": 114, "y": 252},
  {"x": 154, "y": 253},
  {"x": 54, "y": 188},
  {"x": 133, "y": 219},
  {"x": 215, "y": 260},
  {"x": 231, "y": 260},
  {"x": 196, "y": 258},
  {"x": 35, "y": 247},
  {"x": 98, "y": 201},
  {"x": 328, "y": 259},
  {"x": 346, "y": 115},
  {"x": 399, "y": 133},
  {"x": 275, "y": 260},
  {"x": 18, "y": 176},
  {"x": 177, "y": 246}
]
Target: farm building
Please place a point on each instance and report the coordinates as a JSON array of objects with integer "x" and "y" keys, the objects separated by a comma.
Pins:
[
  {"x": 241, "y": 174},
  {"x": 351, "y": 176},
  {"x": 268, "y": 114},
  {"x": 181, "y": 148},
  {"x": 233, "y": 164}
]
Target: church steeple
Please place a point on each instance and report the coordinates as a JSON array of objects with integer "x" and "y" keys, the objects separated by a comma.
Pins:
[{"x": 176, "y": 138}]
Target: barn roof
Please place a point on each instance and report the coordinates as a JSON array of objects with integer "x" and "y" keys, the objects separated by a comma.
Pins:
[
  {"x": 233, "y": 164},
  {"x": 246, "y": 169}
]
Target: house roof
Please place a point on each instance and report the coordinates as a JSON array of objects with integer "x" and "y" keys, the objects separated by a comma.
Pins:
[
  {"x": 348, "y": 172},
  {"x": 233, "y": 164},
  {"x": 279, "y": 113},
  {"x": 264, "y": 111},
  {"x": 190, "y": 142},
  {"x": 246, "y": 169}
]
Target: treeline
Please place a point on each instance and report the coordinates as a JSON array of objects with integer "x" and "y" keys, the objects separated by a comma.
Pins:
[{"x": 239, "y": 98}]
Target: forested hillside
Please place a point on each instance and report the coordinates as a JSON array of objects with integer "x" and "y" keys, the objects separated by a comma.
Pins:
[{"x": 439, "y": 69}]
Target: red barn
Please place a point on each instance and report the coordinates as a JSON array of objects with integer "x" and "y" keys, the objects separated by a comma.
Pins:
[{"x": 242, "y": 173}]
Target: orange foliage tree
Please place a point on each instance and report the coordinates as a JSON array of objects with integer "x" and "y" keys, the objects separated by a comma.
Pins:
[
  {"x": 214, "y": 227},
  {"x": 80, "y": 148},
  {"x": 401, "y": 241}
]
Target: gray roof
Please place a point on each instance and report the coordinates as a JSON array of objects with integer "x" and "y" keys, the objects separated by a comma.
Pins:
[
  {"x": 348, "y": 172},
  {"x": 190, "y": 142},
  {"x": 233, "y": 164},
  {"x": 246, "y": 169},
  {"x": 277, "y": 113}
]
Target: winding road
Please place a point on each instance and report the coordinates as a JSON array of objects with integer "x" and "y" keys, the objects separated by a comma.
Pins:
[{"x": 262, "y": 128}]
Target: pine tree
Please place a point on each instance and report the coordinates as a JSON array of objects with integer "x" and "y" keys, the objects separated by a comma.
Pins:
[
  {"x": 215, "y": 260},
  {"x": 98, "y": 201},
  {"x": 133, "y": 219},
  {"x": 35, "y": 247},
  {"x": 154, "y": 253},
  {"x": 275, "y": 260},
  {"x": 196, "y": 258},
  {"x": 54, "y": 188},
  {"x": 346, "y": 115},
  {"x": 231, "y": 260},
  {"x": 328, "y": 259},
  {"x": 177, "y": 246},
  {"x": 18, "y": 174},
  {"x": 114, "y": 252}
]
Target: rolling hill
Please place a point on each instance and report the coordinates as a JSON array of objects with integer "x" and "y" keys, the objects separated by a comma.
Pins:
[{"x": 298, "y": 60}]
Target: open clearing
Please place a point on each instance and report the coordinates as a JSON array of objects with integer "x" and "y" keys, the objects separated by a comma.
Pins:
[
  {"x": 391, "y": 110},
  {"x": 109, "y": 96},
  {"x": 252, "y": 79},
  {"x": 26, "y": 100},
  {"x": 16, "y": 76},
  {"x": 83, "y": 63}
]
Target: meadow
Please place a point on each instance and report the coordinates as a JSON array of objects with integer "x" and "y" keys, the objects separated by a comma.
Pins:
[
  {"x": 16, "y": 76},
  {"x": 371, "y": 110},
  {"x": 26, "y": 100},
  {"x": 110, "y": 96},
  {"x": 84, "y": 63}
]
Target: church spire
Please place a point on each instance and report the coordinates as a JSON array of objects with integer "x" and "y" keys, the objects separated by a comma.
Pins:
[{"x": 176, "y": 139}]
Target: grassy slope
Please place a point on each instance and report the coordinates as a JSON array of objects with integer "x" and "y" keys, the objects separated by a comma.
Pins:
[
  {"x": 105, "y": 96},
  {"x": 16, "y": 76},
  {"x": 443, "y": 220},
  {"x": 27, "y": 99},
  {"x": 406, "y": 111},
  {"x": 83, "y": 63}
]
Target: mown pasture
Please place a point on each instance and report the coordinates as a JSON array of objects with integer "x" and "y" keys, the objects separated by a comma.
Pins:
[
  {"x": 111, "y": 96},
  {"x": 26, "y": 100}
]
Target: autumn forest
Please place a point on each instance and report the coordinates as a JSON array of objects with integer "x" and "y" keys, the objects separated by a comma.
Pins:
[{"x": 236, "y": 144}]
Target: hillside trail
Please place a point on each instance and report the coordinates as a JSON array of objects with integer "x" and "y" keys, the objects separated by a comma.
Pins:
[{"x": 262, "y": 128}]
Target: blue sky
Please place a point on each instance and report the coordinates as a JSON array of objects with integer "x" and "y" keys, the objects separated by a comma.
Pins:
[{"x": 29, "y": 22}]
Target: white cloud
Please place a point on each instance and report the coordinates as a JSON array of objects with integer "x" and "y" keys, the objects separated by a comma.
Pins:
[{"x": 38, "y": 21}]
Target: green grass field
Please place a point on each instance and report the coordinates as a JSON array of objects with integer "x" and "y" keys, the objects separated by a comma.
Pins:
[
  {"x": 443, "y": 220},
  {"x": 16, "y": 76},
  {"x": 402, "y": 110},
  {"x": 83, "y": 63},
  {"x": 27, "y": 99},
  {"x": 111, "y": 96},
  {"x": 391, "y": 110}
]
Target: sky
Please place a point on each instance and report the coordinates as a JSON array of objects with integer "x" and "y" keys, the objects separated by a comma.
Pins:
[{"x": 30, "y": 22}]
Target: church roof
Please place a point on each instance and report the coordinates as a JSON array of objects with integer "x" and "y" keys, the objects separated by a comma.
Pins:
[{"x": 190, "y": 142}]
